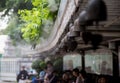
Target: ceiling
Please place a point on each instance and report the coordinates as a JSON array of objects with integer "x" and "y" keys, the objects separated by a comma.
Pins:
[{"x": 110, "y": 29}]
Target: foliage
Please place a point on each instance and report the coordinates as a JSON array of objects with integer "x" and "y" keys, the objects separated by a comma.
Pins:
[
  {"x": 58, "y": 64},
  {"x": 42, "y": 65},
  {"x": 38, "y": 65},
  {"x": 10, "y": 8},
  {"x": 13, "y": 30},
  {"x": 33, "y": 19},
  {"x": 15, "y": 5}
]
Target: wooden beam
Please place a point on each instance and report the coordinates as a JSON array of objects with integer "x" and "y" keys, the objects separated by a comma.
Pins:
[{"x": 110, "y": 22}]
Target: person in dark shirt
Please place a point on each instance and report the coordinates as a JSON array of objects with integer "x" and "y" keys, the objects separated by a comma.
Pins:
[
  {"x": 65, "y": 78},
  {"x": 23, "y": 74}
]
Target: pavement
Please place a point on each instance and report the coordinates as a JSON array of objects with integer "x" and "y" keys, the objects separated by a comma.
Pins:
[{"x": 6, "y": 82}]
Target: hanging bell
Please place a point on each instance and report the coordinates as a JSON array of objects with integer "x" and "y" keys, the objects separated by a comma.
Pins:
[
  {"x": 72, "y": 45},
  {"x": 96, "y": 39},
  {"x": 86, "y": 36},
  {"x": 83, "y": 19},
  {"x": 72, "y": 34},
  {"x": 74, "y": 31},
  {"x": 76, "y": 25},
  {"x": 64, "y": 47},
  {"x": 96, "y": 11},
  {"x": 64, "y": 40}
]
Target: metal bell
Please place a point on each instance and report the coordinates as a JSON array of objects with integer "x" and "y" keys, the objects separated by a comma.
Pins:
[
  {"x": 83, "y": 19},
  {"x": 96, "y": 11},
  {"x": 64, "y": 47},
  {"x": 76, "y": 25},
  {"x": 72, "y": 45},
  {"x": 86, "y": 36},
  {"x": 96, "y": 39},
  {"x": 69, "y": 36},
  {"x": 75, "y": 31}
]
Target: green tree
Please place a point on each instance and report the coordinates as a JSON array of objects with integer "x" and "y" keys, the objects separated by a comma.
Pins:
[
  {"x": 38, "y": 65},
  {"x": 13, "y": 29},
  {"x": 33, "y": 19},
  {"x": 7, "y": 5},
  {"x": 58, "y": 63}
]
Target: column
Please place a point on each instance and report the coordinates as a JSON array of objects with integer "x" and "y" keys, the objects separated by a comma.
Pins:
[
  {"x": 83, "y": 59},
  {"x": 114, "y": 47}
]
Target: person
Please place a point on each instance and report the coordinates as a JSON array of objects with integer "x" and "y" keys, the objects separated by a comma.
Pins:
[
  {"x": 101, "y": 80},
  {"x": 76, "y": 74},
  {"x": 46, "y": 79},
  {"x": 49, "y": 71},
  {"x": 22, "y": 76},
  {"x": 50, "y": 67},
  {"x": 36, "y": 80},
  {"x": 79, "y": 76},
  {"x": 42, "y": 74},
  {"x": 65, "y": 78},
  {"x": 83, "y": 76},
  {"x": 54, "y": 78}
]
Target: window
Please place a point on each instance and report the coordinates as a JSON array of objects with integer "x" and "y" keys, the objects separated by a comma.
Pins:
[
  {"x": 71, "y": 61},
  {"x": 99, "y": 62}
]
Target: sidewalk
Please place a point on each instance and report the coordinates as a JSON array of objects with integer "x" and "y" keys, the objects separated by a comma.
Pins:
[
  {"x": 28, "y": 81},
  {"x": 6, "y": 82}
]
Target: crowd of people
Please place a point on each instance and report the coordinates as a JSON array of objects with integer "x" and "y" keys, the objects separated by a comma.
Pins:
[{"x": 49, "y": 75}]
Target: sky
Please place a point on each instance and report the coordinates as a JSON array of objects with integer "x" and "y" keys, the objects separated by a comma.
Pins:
[
  {"x": 3, "y": 25},
  {"x": 3, "y": 38},
  {"x": 3, "y": 21}
]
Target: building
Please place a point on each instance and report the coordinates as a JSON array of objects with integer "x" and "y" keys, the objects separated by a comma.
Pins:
[
  {"x": 11, "y": 61},
  {"x": 108, "y": 49}
]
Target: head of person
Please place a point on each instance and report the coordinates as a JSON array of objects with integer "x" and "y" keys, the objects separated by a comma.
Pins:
[
  {"x": 49, "y": 64},
  {"x": 50, "y": 68},
  {"x": 23, "y": 68},
  {"x": 75, "y": 72},
  {"x": 65, "y": 76},
  {"x": 101, "y": 80}
]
